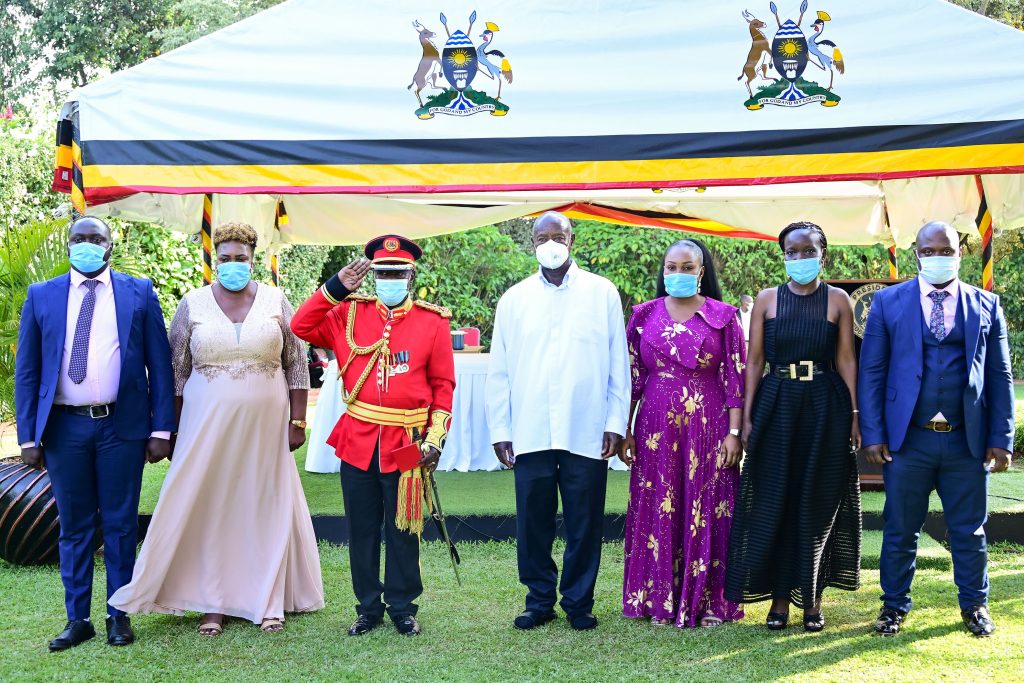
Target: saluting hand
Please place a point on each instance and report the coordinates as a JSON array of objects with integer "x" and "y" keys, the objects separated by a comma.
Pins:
[{"x": 352, "y": 275}]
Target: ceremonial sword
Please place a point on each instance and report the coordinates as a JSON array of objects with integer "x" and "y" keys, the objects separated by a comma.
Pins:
[{"x": 437, "y": 514}]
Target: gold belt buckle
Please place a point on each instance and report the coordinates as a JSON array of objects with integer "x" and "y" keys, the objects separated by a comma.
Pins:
[
  {"x": 942, "y": 427},
  {"x": 802, "y": 364}
]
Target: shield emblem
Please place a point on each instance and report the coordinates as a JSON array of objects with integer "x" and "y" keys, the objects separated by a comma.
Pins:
[
  {"x": 789, "y": 51},
  {"x": 459, "y": 61}
]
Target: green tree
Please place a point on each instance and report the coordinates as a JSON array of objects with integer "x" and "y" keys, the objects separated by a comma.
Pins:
[
  {"x": 33, "y": 253},
  {"x": 187, "y": 20},
  {"x": 1009, "y": 12},
  {"x": 26, "y": 172}
]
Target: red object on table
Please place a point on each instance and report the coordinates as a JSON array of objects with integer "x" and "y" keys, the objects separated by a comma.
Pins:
[{"x": 472, "y": 337}]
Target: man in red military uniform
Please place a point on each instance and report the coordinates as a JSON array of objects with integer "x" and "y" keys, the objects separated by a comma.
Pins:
[{"x": 398, "y": 375}]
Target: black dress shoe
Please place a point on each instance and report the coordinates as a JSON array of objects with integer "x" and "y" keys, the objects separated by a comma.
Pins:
[
  {"x": 363, "y": 625},
  {"x": 530, "y": 619},
  {"x": 583, "y": 622},
  {"x": 408, "y": 626},
  {"x": 119, "y": 631},
  {"x": 73, "y": 635},
  {"x": 977, "y": 621},
  {"x": 889, "y": 621}
]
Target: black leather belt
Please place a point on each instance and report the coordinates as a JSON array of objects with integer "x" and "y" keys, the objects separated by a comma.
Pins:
[
  {"x": 95, "y": 412},
  {"x": 803, "y": 371},
  {"x": 941, "y": 427}
]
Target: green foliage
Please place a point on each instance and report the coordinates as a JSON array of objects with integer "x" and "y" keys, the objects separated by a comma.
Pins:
[
  {"x": 34, "y": 253},
  {"x": 26, "y": 172},
  {"x": 300, "y": 268},
  {"x": 468, "y": 272},
  {"x": 170, "y": 259},
  {"x": 76, "y": 40},
  {"x": 187, "y": 20},
  {"x": 1010, "y": 12}
]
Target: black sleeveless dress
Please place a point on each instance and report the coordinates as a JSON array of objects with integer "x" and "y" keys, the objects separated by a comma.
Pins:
[{"x": 797, "y": 521}]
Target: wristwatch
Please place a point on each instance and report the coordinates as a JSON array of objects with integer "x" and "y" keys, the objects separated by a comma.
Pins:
[
  {"x": 301, "y": 424},
  {"x": 734, "y": 432}
]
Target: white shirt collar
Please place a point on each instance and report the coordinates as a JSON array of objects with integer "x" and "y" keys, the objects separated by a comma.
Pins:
[
  {"x": 953, "y": 288},
  {"x": 569, "y": 276},
  {"x": 77, "y": 278}
]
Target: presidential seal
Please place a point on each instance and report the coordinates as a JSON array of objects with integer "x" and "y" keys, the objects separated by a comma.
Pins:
[
  {"x": 789, "y": 54},
  {"x": 459, "y": 62},
  {"x": 861, "y": 298}
]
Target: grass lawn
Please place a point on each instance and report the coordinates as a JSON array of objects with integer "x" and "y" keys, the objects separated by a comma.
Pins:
[
  {"x": 468, "y": 636},
  {"x": 492, "y": 493}
]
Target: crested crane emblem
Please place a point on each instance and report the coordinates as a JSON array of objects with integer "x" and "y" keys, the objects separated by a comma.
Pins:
[
  {"x": 789, "y": 54},
  {"x": 460, "y": 62}
]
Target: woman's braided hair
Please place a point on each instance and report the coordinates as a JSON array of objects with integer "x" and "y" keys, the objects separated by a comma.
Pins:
[{"x": 803, "y": 225}]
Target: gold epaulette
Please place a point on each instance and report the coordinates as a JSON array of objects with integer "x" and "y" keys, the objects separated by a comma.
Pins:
[
  {"x": 440, "y": 310},
  {"x": 361, "y": 297}
]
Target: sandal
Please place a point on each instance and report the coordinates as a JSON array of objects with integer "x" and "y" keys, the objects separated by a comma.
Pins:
[
  {"x": 777, "y": 621},
  {"x": 814, "y": 623},
  {"x": 272, "y": 625},
  {"x": 710, "y": 621},
  {"x": 211, "y": 629},
  {"x": 661, "y": 622}
]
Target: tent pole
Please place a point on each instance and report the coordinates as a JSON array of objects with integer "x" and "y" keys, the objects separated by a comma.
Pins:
[
  {"x": 78, "y": 206},
  {"x": 984, "y": 222},
  {"x": 207, "y": 238},
  {"x": 894, "y": 271},
  {"x": 280, "y": 218}
]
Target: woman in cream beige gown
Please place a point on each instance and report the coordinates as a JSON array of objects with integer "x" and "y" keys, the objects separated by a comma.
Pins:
[{"x": 231, "y": 534}]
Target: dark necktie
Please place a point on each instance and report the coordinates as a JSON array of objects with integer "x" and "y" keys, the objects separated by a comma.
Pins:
[
  {"x": 937, "y": 323},
  {"x": 80, "y": 346}
]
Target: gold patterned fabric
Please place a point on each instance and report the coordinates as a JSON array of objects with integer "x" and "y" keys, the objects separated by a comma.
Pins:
[{"x": 205, "y": 341}]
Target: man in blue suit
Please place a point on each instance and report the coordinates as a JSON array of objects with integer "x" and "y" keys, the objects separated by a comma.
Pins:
[
  {"x": 94, "y": 393},
  {"x": 936, "y": 409}
]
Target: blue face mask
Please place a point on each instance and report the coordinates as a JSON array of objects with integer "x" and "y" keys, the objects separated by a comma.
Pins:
[
  {"x": 682, "y": 285},
  {"x": 803, "y": 271},
  {"x": 86, "y": 257},
  {"x": 392, "y": 291},
  {"x": 234, "y": 275},
  {"x": 937, "y": 270}
]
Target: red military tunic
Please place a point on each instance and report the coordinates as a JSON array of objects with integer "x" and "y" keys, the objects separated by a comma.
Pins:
[{"x": 422, "y": 368}]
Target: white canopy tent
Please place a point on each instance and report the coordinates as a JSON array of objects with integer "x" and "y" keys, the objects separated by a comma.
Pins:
[{"x": 634, "y": 107}]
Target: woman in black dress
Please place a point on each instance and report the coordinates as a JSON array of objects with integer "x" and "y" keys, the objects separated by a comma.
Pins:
[{"x": 797, "y": 521}]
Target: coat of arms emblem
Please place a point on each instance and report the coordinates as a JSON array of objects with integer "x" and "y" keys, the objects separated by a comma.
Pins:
[
  {"x": 789, "y": 54},
  {"x": 459, "y": 62}
]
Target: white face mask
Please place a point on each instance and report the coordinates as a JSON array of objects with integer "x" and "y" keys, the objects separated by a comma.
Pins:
[{"x": 552, "y": 255}]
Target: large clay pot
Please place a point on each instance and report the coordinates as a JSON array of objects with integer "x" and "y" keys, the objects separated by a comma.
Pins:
[{"x": 28, "y": 516}]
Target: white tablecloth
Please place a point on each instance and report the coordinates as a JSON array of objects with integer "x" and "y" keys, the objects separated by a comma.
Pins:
[{"x": 469, "y": 443}]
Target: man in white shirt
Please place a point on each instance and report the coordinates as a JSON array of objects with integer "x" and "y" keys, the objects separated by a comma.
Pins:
[
  {"x": 746, "y": 304},
  {"x": 557, "y": 404}
]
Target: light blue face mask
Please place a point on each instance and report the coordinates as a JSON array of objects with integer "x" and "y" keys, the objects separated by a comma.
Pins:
[
  {"x": 938, "y": 270},
  {"x": 392, "y": 291},
  {"x": 803, "y": 271},
  {"x": 86, "y": 257},
  {"x": 682, "y": 285},
  {"x": 234, "y": 275}
]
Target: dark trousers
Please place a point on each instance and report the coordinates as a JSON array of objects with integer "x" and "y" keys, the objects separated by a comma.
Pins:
[
  {"x": 582, "y": 481},
  {"x": 371, "y": 498},
  {"x": 96, "y": 476},
  {"x": 928, "y": 462}
]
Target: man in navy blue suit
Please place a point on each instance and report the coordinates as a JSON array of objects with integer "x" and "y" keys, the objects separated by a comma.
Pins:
[
  {"x": 94, "y": 393},
  {"x": 936, "y": 411}
]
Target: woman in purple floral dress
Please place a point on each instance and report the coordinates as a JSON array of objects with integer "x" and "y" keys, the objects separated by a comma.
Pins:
[{"x": 687, "y": 354}]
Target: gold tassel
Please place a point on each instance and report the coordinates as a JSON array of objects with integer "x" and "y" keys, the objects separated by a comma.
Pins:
[{"x": 409, "y": 515}]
